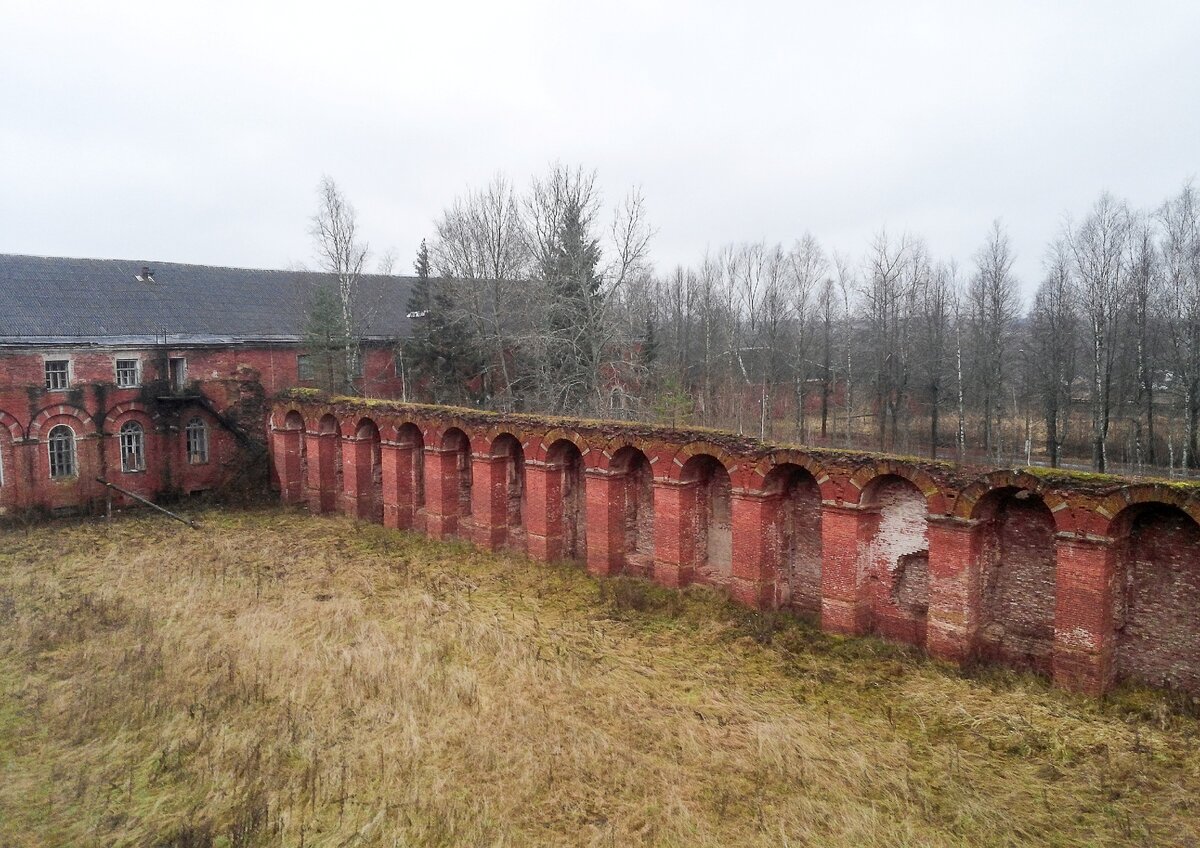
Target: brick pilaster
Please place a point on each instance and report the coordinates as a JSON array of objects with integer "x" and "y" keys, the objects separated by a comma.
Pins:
[
  {"x": 844, "y": 606},
  {"x": 441, "y": 492},
  {"x": 543, "y": 500},
  {"x": 674, "y": 532},
  {"x": 489, "y": 501},
  {"x": 954, "y": 573},
  {"x": 1083, "y": 626},
  {"x": 755, "y": 548},
  {"x": 605, "y": 501}
]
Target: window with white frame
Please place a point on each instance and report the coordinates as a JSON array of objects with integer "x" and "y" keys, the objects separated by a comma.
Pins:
[
  {"x": 133, "y": 447},
  {"x": 58, "y": 374},
  {"x": 61, "y": 445},
  {"x": 1, "y": 463},
  {"x": 197, "y": 441},
  {"x": 128, "y": 373}
]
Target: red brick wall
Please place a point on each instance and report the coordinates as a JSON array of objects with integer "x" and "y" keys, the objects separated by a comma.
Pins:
[
  {"x": 1017, "y": 583},
  {"x": 1087, "y": 578},
  {"x": 894, "y": 549},
  {"x": 1157, "y": 604}
]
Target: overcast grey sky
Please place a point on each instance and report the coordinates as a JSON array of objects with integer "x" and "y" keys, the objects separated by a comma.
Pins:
[{"x": 198, "y": 133}]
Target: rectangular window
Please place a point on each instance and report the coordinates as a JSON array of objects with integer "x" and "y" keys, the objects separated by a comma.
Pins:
[
  {"x": 58, "y": 374},
  {"x": 177, "y": 366},
  {"x": 304, "y": 368},
  {"x": 127, "y": 373}
]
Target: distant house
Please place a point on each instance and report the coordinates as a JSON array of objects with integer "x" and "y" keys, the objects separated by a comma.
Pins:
[{"x": 154, "y": 375}]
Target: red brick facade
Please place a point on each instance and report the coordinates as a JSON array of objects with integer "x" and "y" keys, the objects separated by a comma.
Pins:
[
  {"x": 1090, "y": 579},
  {"x": 232, "y": 381}
]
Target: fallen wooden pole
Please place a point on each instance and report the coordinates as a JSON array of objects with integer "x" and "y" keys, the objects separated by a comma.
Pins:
[{"x": 189, "y": 522}]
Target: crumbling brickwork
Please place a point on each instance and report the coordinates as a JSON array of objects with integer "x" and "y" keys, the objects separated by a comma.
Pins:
[
  {"x": 1157, "y": 610},
  {"x": 1017, "y": 580},
  {"x": 1091, "y": 579}
]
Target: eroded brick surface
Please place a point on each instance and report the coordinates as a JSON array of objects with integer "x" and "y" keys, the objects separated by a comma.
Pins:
[
  {"x": 1091, "y": 578},
  {"x": 1018, "y": 583},
  {"x": 1157, "y": 604}
]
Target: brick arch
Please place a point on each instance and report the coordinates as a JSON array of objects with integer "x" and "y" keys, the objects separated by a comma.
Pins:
[
  {"x": 442, "y": 432},
  {"x": 674, "y": 468},
  {"x": 9, "y": 422},
  {"x": 362, "y": 422},
  {"x": 434, "y": 432},
  {"x": 348, "y": 425},
  {"x": 602, "y": 454},
  {"x": 972, "y": 498},
  {"x": 547, "y": 441},
  {"x": 757, "y": 474},
  {"x": 935, "y": 498},
  {"x": 86, "y": 427},
  {"x": 113, "y": 418},
  {"x": 279, "y": 419},
  {"x": 318, "y": 424},
  {"x": 1114, "y": 510},
  {"x": 398, "y": 428},
  {"x": 484, "y": 441}
]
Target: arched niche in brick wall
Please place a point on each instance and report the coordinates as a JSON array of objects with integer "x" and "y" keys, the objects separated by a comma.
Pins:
[
  {"x": 794, "y": 545},
  {"x": 457, "y": 473},
  {"x": 630, "y": 468},
  {"x": 10, "y": 435},
  {"x": 1017, "y": 578},
  {"x": 325, "y": 464},
  {"x": 1156, "y": 598},
  {"x": 507, "y": 448},
  {"x": 363, "y": 471},
  {"x": 567, "y": 513},
  {"x": 290, "y": 453},
  {"x": 709, "y": 517},
  {"x": 408, "y": 496},
  {"x": 894, "y": 557}
]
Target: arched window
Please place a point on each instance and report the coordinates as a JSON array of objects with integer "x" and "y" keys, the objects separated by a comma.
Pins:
[
  {"x": 197, "y": 441},
  {"x": 61, "y": 445},
  {"x": 133, "y": 447}
]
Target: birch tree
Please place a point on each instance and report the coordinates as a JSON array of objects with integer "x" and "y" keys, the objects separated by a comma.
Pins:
[
  {"x": 1098, "y": 248},
  {"x": 341, "y": 255}
]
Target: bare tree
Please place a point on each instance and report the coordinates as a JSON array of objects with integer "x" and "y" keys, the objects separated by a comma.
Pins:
[
  {"x": 1180, "y": 297},
  {"x": 809, "y": 269},
  {"x": 994, "y": 306},
  {"x": 335, "y": 235},
  {"x": 1054, "y": 340},
  {"x": 1144, "y": 283},
  {"x": 1098, "y": 249},
  {"x": 481, "y": 248},
  {"x": 935, "y": 303},
  {"x": 886, "y": 293}
]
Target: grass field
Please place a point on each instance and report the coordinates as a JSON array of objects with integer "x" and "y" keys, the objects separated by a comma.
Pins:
[{"x": 275, "y": 679}]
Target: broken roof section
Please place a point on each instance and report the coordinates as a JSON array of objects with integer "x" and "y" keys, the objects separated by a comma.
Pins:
[{"x": 56, "y": 301}]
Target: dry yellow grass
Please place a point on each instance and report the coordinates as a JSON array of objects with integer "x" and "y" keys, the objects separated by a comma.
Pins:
[{"x": 275, "y": 679}]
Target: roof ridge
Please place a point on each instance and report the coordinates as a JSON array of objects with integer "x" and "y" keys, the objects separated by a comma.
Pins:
[{"x": 166, "y": 262}]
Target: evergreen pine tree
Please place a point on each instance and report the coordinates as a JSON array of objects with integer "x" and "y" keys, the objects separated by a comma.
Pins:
[
  {"x": 574, "y": 285},
  {"x": 325, "y": 339}
]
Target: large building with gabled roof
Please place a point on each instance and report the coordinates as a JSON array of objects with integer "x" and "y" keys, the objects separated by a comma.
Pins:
[{"x": 154, "y": 376}]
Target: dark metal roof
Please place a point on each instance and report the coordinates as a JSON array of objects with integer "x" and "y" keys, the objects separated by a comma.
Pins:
[{"x": 50, "y": 300}]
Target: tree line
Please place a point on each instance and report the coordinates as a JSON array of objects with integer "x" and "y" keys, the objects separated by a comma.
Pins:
[{"x": 544, "y": 299}]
